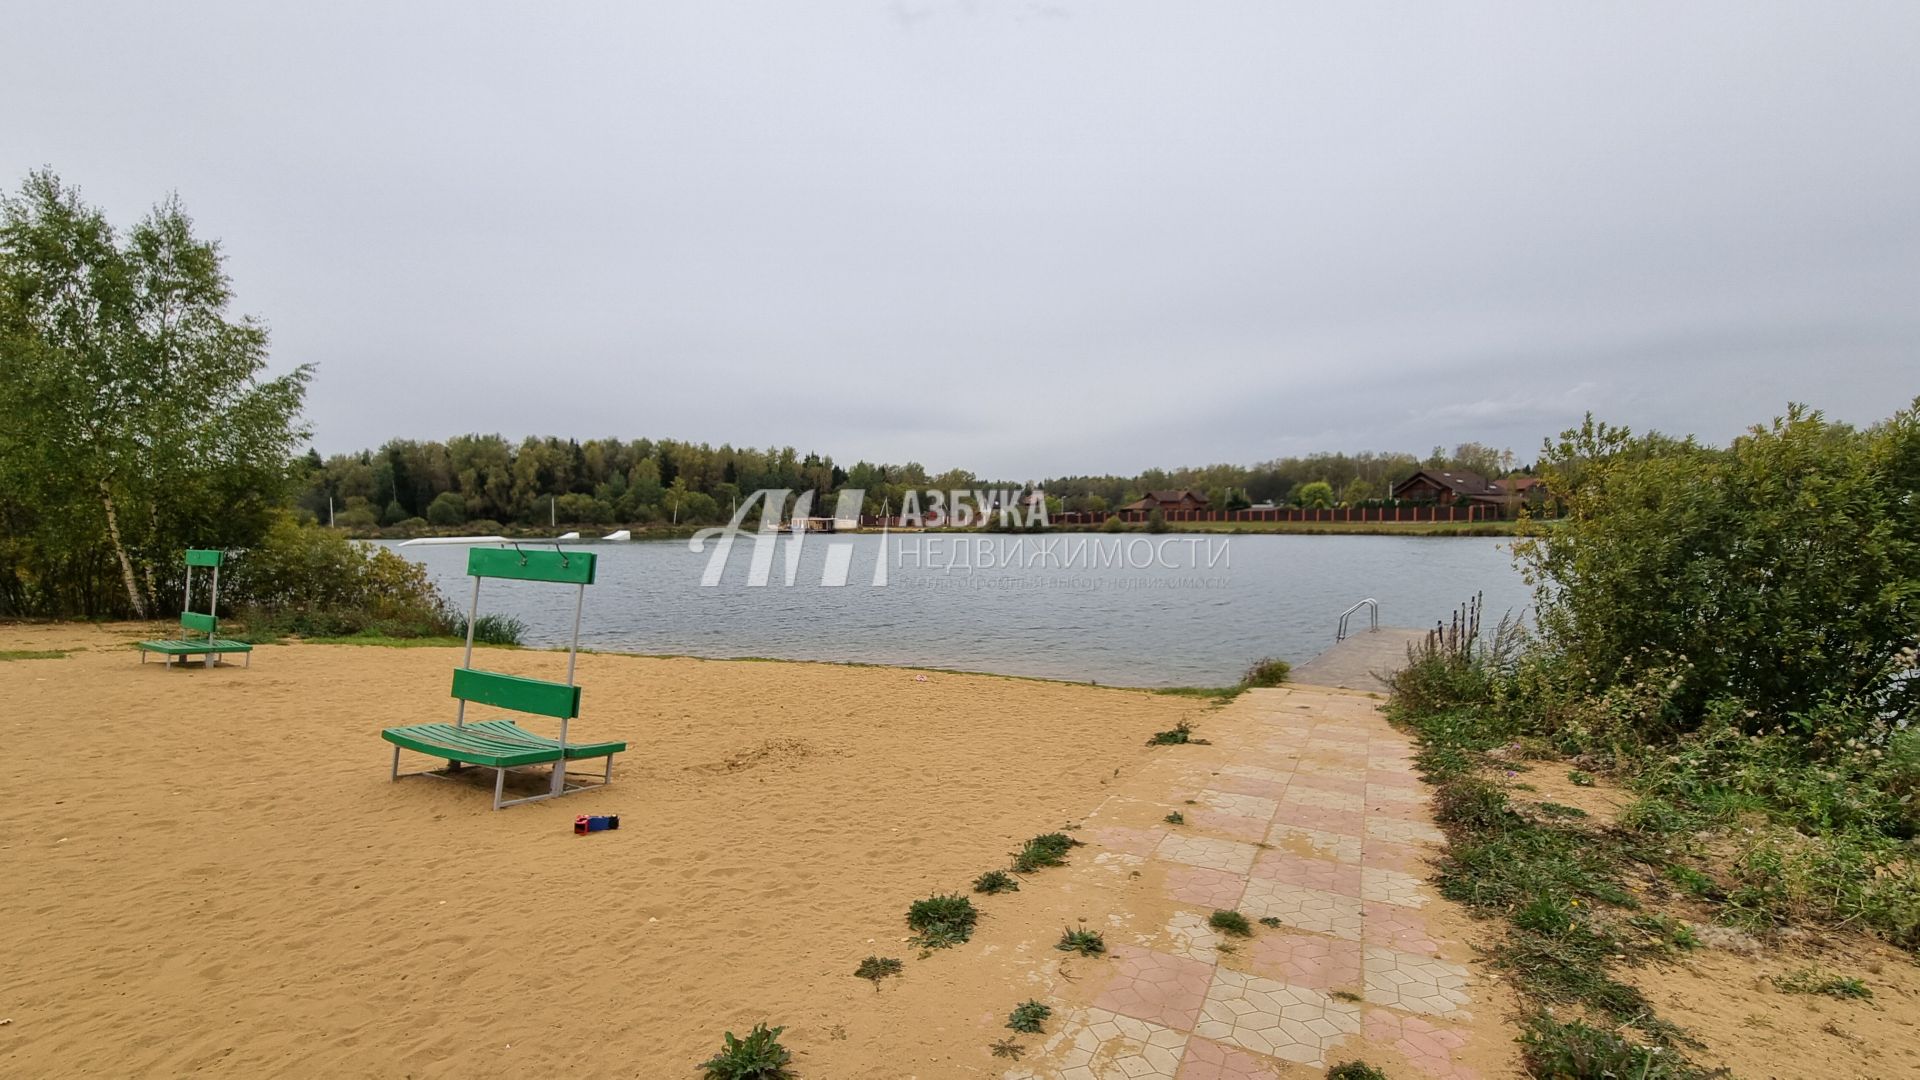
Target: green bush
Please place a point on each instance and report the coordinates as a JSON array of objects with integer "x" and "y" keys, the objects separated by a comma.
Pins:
[
  {"x": 315, "y": 582},
  {"x": 1047, "y": 849},
  {"x": 1778, "y": 572},
  {"x": 942, "y": 921},
  {"x": 1028, "y": 1017},
  {"x": 447, "y": 508},
  {"x": 1355, "y": 1070},
  {"x": 759, "y": 1056},
  {"x": 1231, "y": 923},
  {"x": 995, "y": 881},
  {"x": 1268, "y": 671}
]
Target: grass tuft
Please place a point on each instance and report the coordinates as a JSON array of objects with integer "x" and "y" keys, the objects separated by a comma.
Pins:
[
  {"x": 1175, "y": 818},
  {"x": 33, "y": 654},
  {"x": 1814, "y": 981},
  {"x": 1355, "y": 1070},
  {"x": 1008, "y": 1047},
  {"x": 875, "y": 968},
  {"x": 995, "y": 881},
  {"x": 1029, "y": 1017},
  {"x": 1084, "y": 942},
  {"x": 1047, "y": 849},
  {"x": 1230, "y": 922},
  {"x": 942, "y": 921},
  {"x": 759, "y": 1056}
]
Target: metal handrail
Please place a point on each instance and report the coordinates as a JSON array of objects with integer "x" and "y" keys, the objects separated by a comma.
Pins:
[{"x": 1373, "y": 610}]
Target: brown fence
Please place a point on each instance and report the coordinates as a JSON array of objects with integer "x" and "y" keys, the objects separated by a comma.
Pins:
[{"x": 1411, "y": 513}]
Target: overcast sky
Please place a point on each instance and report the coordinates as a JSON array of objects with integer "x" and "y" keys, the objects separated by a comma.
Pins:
[{"x": 1025, "y": 238}]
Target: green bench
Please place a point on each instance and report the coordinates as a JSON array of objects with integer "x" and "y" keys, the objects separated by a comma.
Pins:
[
  {"x": 212, "y": 645},
  {"x": 503, "y": 744}
]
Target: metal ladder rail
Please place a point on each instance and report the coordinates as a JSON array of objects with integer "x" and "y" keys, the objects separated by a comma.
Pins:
[{"x": 1373, "y": 611}]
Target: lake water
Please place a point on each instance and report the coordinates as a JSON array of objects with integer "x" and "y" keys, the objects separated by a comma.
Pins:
[{"x": 1131, "y": 610}]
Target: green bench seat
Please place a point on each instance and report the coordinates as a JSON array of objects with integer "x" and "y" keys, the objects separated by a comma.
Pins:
[
  {"x": 497, "y": 744},
  {"x": 193, "y": 646}
]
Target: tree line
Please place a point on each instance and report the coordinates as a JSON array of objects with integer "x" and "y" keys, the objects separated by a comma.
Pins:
[{"x": 490, "y": 479}]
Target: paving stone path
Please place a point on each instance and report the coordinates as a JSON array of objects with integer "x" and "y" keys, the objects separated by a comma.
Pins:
[{"x": 1305, "y": 809}]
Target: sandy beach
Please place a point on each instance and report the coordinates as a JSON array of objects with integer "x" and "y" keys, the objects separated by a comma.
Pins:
[{"x": 208, "y": 871}]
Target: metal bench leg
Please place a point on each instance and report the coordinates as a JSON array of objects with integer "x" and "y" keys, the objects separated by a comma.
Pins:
[
  {"x": 609, "y": 778},
  {"x": 396, "y": 762},
  {"x": 249, "y": 663},
  {"x": 499, "y": 786}
]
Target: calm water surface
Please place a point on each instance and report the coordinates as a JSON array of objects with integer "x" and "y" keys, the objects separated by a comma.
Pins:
[{"x": 1175, "y": 621}]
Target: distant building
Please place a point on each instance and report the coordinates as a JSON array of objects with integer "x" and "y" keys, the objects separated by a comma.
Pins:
[
  {"x": 1451, "y": 485},
  {"x": 1179, "y": 499}
]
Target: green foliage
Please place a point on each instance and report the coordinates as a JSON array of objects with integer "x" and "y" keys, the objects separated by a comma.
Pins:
[
  {"x": 759, "y": 1056},
  {"x": 996, "y": 881},
  {"x": 1814, "y": 981},
  {"x": 1580, "y": 779},
  {"x": 1270, "y": 922},
  {"x": 1780, "y": 572},
  {"x": 314, "y": 582},
  {"x": 1181, "y": 733},
  {"x": 1560, "y": 810},
  {"x": 1355, "y": 1070},
  {"x": 1266, "y": 671},
  {"x": 1317, "y": 495},
  {"x": 1007, "y": 1048},
  {"x": 875, "y": 968},
  {"x": 1029, "y": 1017},
  {"x": 135, "y": 418},
  {"x": 33, "y": 654},
  {"x": 1082, "y": 941},
  {"x": 1231, "y": 923},
  {"x": 447, "y": 508},
  {"x": 942, "y": 921},
  {"x": 1156, "y": 521},
  {"x": 1175, "y": 818},
  {"x": 1579, "y": 1051},
  {"x": 1047, "y": 849},
  {"x": 491, "y": 629}
]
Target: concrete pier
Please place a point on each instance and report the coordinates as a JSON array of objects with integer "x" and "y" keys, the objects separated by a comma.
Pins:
[{"x": 1362, "y": 661}]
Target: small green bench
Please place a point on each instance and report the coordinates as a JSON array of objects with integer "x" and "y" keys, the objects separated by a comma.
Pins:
[
  {"x": 212, "y": 645},
  {"x": 503, "y": 744}
]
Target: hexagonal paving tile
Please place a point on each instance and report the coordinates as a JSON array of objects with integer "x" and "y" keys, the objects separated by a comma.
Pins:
[
  {"x": 1154, "y": 986},
  {"x": 1421, "y": 984},
  {"x": 1208, "y": 1060},
  {"x": 1308, "y": 795},
  {"x": 1397, "y": 927},
  {"x": 1327, "y": 875},
  {"x": 1399, "y": 831},
  {"x": 1244, "y": 805},
  {"x": 1094, "y": 1044},
  {"x": 1187, "y": 934},
  {"x": 1292, "y": 1023},
  {"x": 1303, "y": 908},
  {"x": 1229, "y": 855},
  {"x": 1250, "y": 830},
  {"x": 1319, "y": 843},
  {"x": 1427, "y": 1047},
  {"x": 1383, "y": 886},
  {"x": 1205, "y": 888},
  {"x": 1310, "y": 960}
]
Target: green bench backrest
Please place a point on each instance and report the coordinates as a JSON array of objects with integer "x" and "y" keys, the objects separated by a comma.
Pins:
[
  {"x": 196, "y": 621},
  {"x": 568, "y": 567},
  {"x": 199, "y": 557},
  {"x": 513, "y": 692}
]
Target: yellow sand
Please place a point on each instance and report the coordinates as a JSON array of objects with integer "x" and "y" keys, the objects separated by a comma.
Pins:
[{"x": 208, "y": 871}]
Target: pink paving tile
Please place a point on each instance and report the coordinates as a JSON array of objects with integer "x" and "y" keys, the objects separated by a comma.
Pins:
[
  {"x": 1327, "y": 875},
  {"x": 1386, "y": 855},
  {"x": 1427, "y": 1046},
  {"x": 1205, "y": 888},
  {"x": 1323, "y": 818},
  {"x": 1355, "y": 785},
  {"x": 1247, "y": 785},
  {"x": 1156, "y": 987},
  {"x": 1400, "y": 810},
  {"x": 1395, "y": 777},
  {"x": 1122, "y": 838},
  {"x": 1208, "y": 1060},
  {"x": 1396, "y": 927},
  {"x": 1233, "y": 826},
  {"x": 1313, "y": 960}
]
